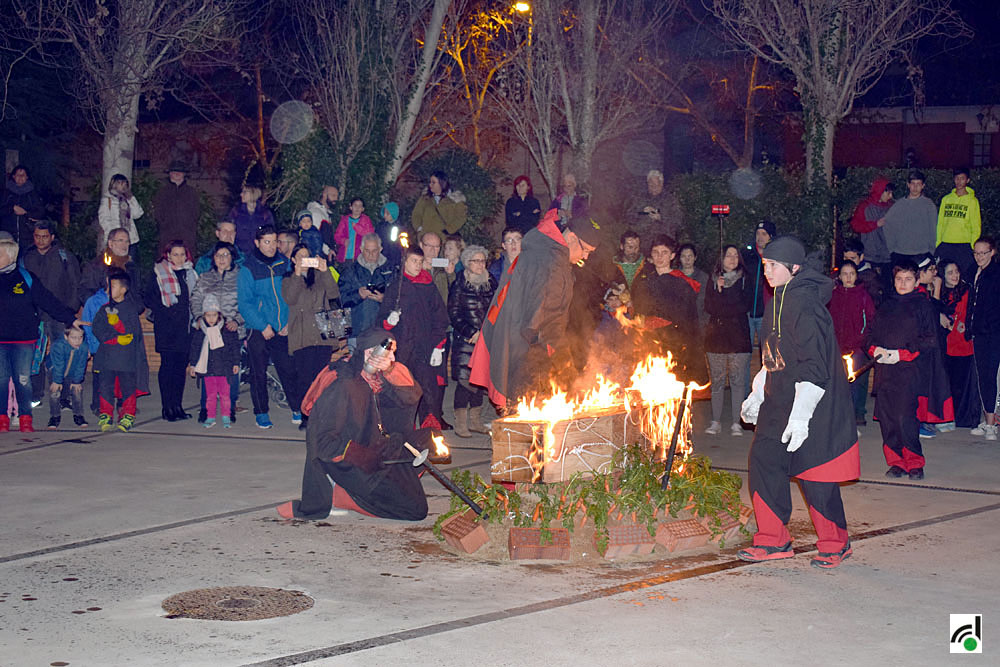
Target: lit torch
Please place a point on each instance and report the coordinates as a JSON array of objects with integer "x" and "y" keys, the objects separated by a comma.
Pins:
[{"x": 441, "y": 453}]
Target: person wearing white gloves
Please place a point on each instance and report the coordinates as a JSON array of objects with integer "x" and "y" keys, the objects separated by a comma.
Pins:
[
  {"x": 804, "y": 413},
  {"x": 413, "y": 310},
  {"x": 904, "y": 339}
]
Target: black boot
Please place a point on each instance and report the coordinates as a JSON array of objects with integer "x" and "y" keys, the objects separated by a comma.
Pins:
[
  {"x": 168, "y": 415},
  {"x": 179, "y": 411}
]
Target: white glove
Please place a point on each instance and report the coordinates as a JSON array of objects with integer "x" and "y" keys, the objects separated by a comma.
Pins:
[
  {"x": 751, "y": 406},
  {"x": 393, "y": 318},
  {"x": 889, "y": 357},
  {"x": 437, "y": 356},
  {"x": 807, "y": 397}
]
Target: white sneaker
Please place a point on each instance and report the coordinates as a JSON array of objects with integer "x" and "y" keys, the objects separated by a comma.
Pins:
[
  {"x": 715, "y": 428},
  {"x": 991, "y": 432},
  {"x": 736, "y": 430},
  {"x": 979, "y": 430},
  {"x": 945, "y": 427}
]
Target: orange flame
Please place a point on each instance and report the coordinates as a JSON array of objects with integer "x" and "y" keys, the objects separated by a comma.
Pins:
[
  {"x": 107, "y": 258},
  {"x": 849, "y": 362},
  {"x": 440, "y": 449},
  {"x": 652, "y": 401}
]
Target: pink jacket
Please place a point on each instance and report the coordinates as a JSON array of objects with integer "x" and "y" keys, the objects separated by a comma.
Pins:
[{"x": 351, "y": 236}]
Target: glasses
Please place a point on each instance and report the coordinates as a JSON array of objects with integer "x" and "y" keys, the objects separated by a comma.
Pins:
[
  {"x": 982, "y": 253},
  {"x": 431, "y": 246},
  {"x": 477, "y": 261}
]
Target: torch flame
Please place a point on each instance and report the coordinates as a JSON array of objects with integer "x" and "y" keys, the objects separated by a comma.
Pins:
[
  {"x": 849, "y": 362},
  {"x": 107, "y": 258},
  {"x": 440, "y": 449}
]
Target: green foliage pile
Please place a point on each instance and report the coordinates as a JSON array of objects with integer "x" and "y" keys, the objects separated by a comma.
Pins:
[{"x": 632, "y": 490}]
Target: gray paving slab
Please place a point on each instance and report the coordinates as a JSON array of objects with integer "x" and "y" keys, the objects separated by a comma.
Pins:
[{"x": 118, "y": 522}]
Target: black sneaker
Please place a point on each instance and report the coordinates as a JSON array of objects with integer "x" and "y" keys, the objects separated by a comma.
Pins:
[
  {"x": 895, "y": 471},
  {"x": 202, "y": 416},
  {"x": 80, "y": 421},
  {"x": 917, "y": 473},
  {"x": 53, "y": 422}
]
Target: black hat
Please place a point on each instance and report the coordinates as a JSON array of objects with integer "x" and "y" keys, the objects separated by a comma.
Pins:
[
  {"x": 373, "y": 337},
  {"x": 785, "y": 249},
  {"x": 177, "y": 166},
  {"x": 768, "y": 227},
  {"x": 586, "y": 229},
  {"x": 925, "y": 262}
]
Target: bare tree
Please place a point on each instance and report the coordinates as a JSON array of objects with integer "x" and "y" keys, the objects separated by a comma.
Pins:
[
  {"x": 837, "y": 51},
  {"x": 121, "y": 51}
]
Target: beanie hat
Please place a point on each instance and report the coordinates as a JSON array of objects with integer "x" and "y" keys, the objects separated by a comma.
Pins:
[
  {"x": 768, "y": 227},
  {"x": 210, "y": 304},
  {"x": 785, "y": 249},
  {"x": 373, "y": 337},
  {"x": 392, "y": 208},
  {"x": 586, "y": 229},
  {"x": 304, "y": 213}
]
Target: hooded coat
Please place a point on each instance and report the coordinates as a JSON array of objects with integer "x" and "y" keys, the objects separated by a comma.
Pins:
[
  {"x": 805, "y": 339},
  {"x": 467, "y": 305},
  {"x": 865, "y": 222},
  {"x": 528, "y": 313}
]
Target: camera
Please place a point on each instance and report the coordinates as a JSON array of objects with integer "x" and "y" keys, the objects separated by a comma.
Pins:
[
  {"x": 439, "y": 262},
  {"x": 334, "y": 324},
  {"x": 309, "y": 262}
]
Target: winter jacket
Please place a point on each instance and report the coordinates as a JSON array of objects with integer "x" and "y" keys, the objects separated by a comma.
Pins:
[
  {"x": 90, "y": 309},
  {"x": 702, "y": 279},
  {"x": 108, "y": 216},
  {"x": 313, "y": 240},
  {"x": 220, "y": 360},
  {"x": 498, "y": 267},
  {"x": 356, "y": 274},
  {"x": 20, "y": 226},
  {"x": 522, "y": 214},
  {"x": 259, "y": 291},
  {"x": 446, "y": 215},
  {"x": 95, "y": 278},
  {"x": 955, "y": 306},
  {"x": 21, "y": 299},
  {"x": 248, "y": 223},
  {"x": 177, "y": 209},
  {"x": 113, "y": 355},
  {"x": 984, "y": 303},
  {"x": 303, "y": 304},
  {"x": 348, "y": 236},
  {"x": 68, "y": 364},
  {"x": 865, "y": 222},
  {"x": 467, "y": 306},
  {"x": 853, "y": 313},
  {"x": 911, "y": 226},
  {"x": 59, "y": 271},
  {"x": 959, "y": 219},
  {"x": 423, "y": 320},
  {"x": 224, "y": 287},
  {"x": 171, "y": 325},
  {"x": 578, "y": 208},
  {"x": 728, "y": 330},
  {"x": 760, "y": 289}
]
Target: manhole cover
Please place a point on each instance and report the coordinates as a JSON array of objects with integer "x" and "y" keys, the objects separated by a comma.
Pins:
[{"x": 236, "y": 603}]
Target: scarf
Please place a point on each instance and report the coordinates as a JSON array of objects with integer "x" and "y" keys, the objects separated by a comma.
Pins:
[
  {"x": 20, "y": 189},
  {"x": 166, "y": 280},
  {"x": 124, "y": 211},
  {"x": 477, "y": 281},
  {"x": 212, "y": 341},
  {"x": 729, "y": 278}
]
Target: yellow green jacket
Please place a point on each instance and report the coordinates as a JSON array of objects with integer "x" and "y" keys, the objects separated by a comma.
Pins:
[{"x": 959, "y": 220}]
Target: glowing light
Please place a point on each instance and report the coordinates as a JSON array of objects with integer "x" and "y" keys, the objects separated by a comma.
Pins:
[
  {"x": 107, "y": 258},
  {"x": 522, "y": 7},
  {"x": 404, "y": 240},
  {"x": 849, "y": 362},
  {"x": 440, "y": 449}
]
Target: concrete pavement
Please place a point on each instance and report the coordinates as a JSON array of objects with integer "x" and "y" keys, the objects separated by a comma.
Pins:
[{"x": 110, "y": 525}]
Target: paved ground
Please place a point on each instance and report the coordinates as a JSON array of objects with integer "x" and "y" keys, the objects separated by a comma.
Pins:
[{"x": 100, "y": 529}]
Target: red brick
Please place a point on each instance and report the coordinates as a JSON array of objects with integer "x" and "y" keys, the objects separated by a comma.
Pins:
[
  {"x": 525, "y": 543},
  {"x": 463, "y": 532},
  {"x": 729, "y": 527},
  {"x": 626, "y": 540},
  {"x": 745, "y": 513},
  {"x": 682, "y": 535}
]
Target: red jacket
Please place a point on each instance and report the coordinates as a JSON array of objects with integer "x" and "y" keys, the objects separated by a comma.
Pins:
[{"x": 853, "y": 313}]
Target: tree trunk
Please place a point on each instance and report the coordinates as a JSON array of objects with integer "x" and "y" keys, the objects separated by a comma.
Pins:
[
  {"x": 402, "y": 141},
  {"x": 118, "y": 151},
  {"x": 818, "y": 137}
]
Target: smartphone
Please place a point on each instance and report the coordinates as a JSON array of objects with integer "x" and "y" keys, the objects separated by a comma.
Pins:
[
  {"x": 310, "y": 262},
  {"x": 440, "y": 262}
]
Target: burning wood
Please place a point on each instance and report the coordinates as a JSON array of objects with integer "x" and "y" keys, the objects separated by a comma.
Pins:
[{"x": 549, "y": 439}]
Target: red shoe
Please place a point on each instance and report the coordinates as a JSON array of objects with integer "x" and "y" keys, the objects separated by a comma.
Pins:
[
  {"x": 760, "y": 554},
  {"x": 828, "y": 561},
  {"x": 25, "y": 424},
  {"x": 4, "y": 423}
]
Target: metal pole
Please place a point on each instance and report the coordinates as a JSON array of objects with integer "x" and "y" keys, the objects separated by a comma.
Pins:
[
  {"x": 665, "y": 480},
  {"x": 420, "y": 459}
]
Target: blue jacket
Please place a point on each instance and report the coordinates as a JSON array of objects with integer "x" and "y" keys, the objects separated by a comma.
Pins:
[
  {"x": 258, "y": 291},
  {"x": 364, "y": 312},
  {"x": 90, "y": 309},
  {"x": 67, "y": 364},
  {"x": 313, "y": 240},
  {"x": 204, "y": 263}
]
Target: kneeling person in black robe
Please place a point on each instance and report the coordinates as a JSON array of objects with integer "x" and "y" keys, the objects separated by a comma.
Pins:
[{"x": 358, "y": 422}]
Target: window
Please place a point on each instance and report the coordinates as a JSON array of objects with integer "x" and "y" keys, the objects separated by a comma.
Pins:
[
  {"x": 140, "y": 164},
  {"x": 981, "y": 150}
]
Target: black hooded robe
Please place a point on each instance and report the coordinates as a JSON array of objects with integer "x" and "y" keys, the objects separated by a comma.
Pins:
[{"x": 797, "y": 321}]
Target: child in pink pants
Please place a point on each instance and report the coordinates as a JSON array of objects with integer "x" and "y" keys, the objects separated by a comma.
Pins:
[{"x": 215, "y": 356}]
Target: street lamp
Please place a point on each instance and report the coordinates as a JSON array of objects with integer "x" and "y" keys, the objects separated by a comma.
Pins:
[{"x": 522, "y": 7}]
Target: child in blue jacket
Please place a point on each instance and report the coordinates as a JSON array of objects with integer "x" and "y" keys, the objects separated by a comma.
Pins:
[{"x": 68, "y": 363}]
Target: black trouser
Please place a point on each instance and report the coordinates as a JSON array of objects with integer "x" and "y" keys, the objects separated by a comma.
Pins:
[
  {"x": 896, "y": 411},
  {"x": 987, "y": 353},
  {"x": 171, "y": 378},
  {"x": 261, "y": 351},
  {"x": 468, "y": 398},
  {"x": 309, "y": 361}
]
